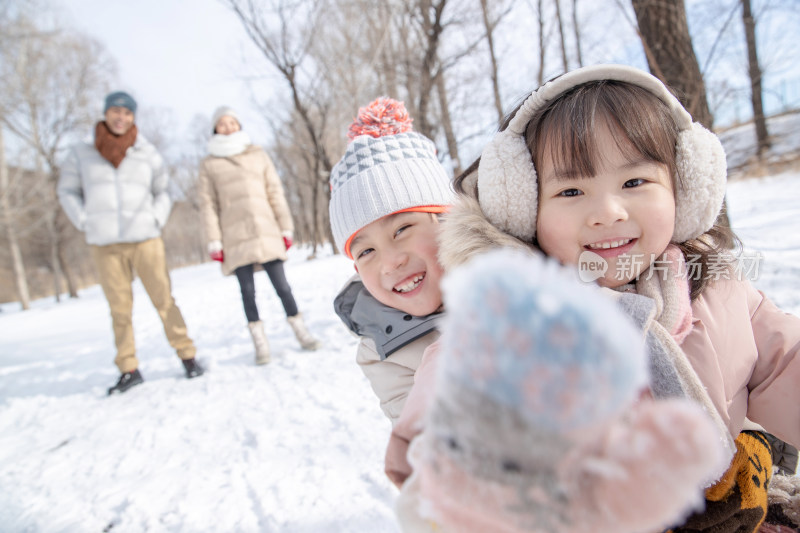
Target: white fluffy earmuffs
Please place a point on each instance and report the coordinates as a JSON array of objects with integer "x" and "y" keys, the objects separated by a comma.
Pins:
[{"x": 507, "y": 179}]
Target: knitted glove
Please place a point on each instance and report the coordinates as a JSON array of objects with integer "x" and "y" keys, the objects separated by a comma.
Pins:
[
  {"x": 215, "y": 251},
  {"x": 536, "y": 422},
  {"x": 738, "y": 501},
  {"x": 287, "y": 239}
]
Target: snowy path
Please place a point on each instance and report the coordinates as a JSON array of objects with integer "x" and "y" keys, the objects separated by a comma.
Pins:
[{"x": 296, "y": 446}]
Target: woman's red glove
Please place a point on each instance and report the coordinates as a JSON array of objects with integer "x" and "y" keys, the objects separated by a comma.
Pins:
[{"x": 215, "y": 251}]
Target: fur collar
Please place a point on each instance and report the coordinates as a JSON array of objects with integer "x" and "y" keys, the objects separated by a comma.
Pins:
[{"x": 466, "y": 231}]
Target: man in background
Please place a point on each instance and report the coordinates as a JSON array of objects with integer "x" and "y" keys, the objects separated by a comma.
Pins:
[{"x": 114, "y": 189}]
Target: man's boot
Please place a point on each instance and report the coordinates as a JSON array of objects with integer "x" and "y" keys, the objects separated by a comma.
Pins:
[
  {"x": 192, "y": 367},
  {"x": 126, "y": 381}
]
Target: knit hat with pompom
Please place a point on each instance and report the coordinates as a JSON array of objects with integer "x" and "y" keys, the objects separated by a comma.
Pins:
[{"x": 386, "y": 169}]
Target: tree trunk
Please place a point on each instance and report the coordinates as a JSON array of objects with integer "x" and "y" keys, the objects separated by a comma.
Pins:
[
  {"x": 498, "y": 103},
  {"x": 542, "y": 45},
  {"x": 564, "y": 60},
  {"x": 664, "y": 31},
  {"x": 69, "y": 275},
  {"x": 760, "y": 121},
  {"x": 431, "y": 13},
  {"x": 447, "y": 125},
  {"x": 17, "y": 264},
  {"x": 55, "y": 264},
  {"x": 577, "y": 31}
]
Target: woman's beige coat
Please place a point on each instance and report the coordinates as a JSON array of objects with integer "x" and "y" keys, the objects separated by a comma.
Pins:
[{"x": 243, "y": 206}]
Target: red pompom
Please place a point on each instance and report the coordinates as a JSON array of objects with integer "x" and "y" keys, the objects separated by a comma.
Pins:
[{"x": 384, "y": 116}]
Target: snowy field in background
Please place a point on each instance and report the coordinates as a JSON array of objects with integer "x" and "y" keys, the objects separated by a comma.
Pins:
[{"x": 293, "y": 447}]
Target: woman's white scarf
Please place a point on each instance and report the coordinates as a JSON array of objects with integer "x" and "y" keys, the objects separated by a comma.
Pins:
[{"x": 228, "y": 145}]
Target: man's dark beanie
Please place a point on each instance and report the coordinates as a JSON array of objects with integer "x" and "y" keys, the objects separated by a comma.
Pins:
[{"x": 120, "y": 99}]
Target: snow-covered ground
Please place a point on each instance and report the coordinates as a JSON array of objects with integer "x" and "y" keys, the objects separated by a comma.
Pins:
[{"x": 293, "y": 447}]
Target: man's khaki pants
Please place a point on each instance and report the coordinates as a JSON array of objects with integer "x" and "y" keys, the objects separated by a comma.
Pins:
[{"x": 116, "y": 264}]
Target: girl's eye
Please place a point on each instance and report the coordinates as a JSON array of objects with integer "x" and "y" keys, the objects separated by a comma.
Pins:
[
  {"x": 633, "y": 183},
  {"x": 401, "y": 229},
  {"x": 570, "y": 192}
]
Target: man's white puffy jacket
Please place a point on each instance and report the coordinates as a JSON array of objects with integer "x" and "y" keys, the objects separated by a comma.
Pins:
[{"x": 113, "y": 205}]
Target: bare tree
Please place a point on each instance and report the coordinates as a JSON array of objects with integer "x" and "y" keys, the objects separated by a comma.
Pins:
[
  {"x": 542, "y": 42},
  {"x": 664, "y": 31},
  {"x": 429, "y": 13},
  {"x": 283, "y": 33},
  {"x": 754, "y": 70},
  {"x": 447, "y": 124},
  {"x": 490, "y": 26},
  {"x": 576, "y": 30},
  {"x": 564, "y": 61},
  {"x": 56, "y": 78},
  {"x": 17, "y": 264}
]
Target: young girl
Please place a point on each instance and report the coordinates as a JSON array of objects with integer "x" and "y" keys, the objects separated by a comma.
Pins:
[{"x": 603, "y": 165}]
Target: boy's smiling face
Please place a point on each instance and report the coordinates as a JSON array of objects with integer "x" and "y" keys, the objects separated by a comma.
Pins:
[{"x": 396, "y": 258}]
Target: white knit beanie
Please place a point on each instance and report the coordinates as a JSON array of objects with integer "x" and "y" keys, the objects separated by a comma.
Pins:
[
  {"x": 380, "y": 176},
  {"x": 223, "y": 111}
]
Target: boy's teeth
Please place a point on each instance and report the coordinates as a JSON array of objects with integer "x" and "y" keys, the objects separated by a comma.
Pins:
[
  {"x": 612, "y": 244},
  {"x": 411, "y": 285}
]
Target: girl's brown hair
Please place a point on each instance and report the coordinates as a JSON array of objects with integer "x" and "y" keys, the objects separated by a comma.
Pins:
[{"x": 565, "y": 129}]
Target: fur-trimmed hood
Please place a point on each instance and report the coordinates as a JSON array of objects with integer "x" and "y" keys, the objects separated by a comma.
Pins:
[{"x": 466, "y": 231}]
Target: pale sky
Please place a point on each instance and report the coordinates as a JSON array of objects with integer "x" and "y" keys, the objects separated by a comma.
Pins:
[{"x": 184, "y": 55}]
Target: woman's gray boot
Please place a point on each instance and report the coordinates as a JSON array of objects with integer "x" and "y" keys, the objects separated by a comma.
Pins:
[
  {"x": 301, "y": 332},
  {"x": 259, "y": 341}
]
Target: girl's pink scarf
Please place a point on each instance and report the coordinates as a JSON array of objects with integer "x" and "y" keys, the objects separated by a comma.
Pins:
[{"x": 667, "y": 283}]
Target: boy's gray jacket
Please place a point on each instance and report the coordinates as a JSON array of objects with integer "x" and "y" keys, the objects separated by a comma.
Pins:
[
  {"x": 115, "y": 205},
  {"x": 389, "y": 328},
  {"x": 391, "y": 343}
]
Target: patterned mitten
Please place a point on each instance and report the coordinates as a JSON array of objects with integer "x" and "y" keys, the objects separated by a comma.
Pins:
[{"x": 538, "y": 421}]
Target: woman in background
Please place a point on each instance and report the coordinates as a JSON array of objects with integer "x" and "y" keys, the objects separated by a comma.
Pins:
[{"x": 247, "y": 222}]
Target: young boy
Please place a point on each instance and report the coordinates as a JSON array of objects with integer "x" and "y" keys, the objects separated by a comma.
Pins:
[{"x": 386, "y": 194}]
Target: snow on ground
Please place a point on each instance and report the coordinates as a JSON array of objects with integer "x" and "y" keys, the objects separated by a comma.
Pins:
[
  {"x": 293, "y": 447},
  {"x": 740, "y": 142}
]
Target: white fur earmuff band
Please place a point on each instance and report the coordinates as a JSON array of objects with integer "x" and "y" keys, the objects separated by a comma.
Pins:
[{"x": 507, "y": 180}]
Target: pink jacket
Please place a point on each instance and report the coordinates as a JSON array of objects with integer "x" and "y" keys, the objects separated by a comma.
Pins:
[{"x": 745, "y": 351}]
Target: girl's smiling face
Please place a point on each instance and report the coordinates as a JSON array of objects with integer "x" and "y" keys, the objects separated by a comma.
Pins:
[{"x": 624, "y": 213}]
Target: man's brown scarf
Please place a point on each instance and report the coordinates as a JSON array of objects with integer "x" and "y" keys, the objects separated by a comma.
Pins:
[{"x": 113, "y": 147}]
